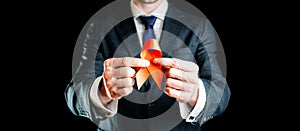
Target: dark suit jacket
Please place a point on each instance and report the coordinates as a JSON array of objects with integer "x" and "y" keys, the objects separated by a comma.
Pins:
[{"x": 113, "y": 34}]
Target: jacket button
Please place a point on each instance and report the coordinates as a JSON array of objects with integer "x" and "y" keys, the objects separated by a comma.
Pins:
[
  {"x": 150, "y": 105},
  {"x": 191, "y": 118}
]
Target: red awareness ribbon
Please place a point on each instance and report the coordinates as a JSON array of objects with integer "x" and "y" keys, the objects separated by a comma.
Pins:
[{"x": 150, "y": 51}]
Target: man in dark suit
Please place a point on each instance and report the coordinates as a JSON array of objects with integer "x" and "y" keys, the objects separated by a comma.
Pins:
[{"x": 104, "y": 89}]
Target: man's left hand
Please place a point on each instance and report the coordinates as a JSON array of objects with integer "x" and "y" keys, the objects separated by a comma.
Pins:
[{"x": 181, "y": 79}]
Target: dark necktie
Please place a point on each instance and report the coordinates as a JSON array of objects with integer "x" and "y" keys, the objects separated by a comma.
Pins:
[{"x": 148, "y": 22}]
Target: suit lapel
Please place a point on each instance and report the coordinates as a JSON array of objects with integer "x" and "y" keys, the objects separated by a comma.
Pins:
[{"x": 171, "y": 29}]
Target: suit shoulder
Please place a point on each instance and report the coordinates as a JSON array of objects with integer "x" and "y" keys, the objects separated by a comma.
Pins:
[{"x": 188, "y": 15}]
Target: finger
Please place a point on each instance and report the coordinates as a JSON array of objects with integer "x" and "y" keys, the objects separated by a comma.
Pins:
[
  {"x": 110, "y": 83},
  {"x": 123, "y": 72},
  {"x": 124, "y": 82},
  {"x": 125, "y": 91},
  {"x": 179, "y": 85},
  {"x": 176, "y": 63},
  {"x": 114, "y": 84},
  {"x": 179, "y": 95},
  {"x": 114, "y": 93},
  {"x": 126, "y": 61},
  {"x": 189, "y": 77},
  {"x": 115, "y": 96},
  {"x": 172, "y": 92}
]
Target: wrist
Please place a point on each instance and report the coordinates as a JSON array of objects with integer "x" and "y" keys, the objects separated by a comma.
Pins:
[{"x": 102, "y": 94}]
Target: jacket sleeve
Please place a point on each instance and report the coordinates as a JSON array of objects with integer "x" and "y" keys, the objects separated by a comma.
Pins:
[
  {"x": 210, "y": 60},
  {"x": 85, "y": 58}
]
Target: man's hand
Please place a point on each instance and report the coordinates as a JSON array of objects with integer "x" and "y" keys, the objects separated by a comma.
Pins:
[
  {"x": 119, "y": 76},
  {"x": 182, "y": 79}
]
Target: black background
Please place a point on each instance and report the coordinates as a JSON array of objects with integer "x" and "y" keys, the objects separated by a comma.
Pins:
[{"x": 41, "y": 36}]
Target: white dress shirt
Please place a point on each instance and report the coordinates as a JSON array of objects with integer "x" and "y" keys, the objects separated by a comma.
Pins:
[{"x": 186, "y": 111}]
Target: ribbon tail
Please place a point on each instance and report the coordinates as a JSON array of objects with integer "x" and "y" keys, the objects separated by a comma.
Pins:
[
  {"x": 141, "y": 76},
  {"x": 157, "y": 76}
]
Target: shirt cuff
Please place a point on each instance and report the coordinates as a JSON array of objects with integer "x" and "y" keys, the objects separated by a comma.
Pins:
[
  {"x": 108, "y": 110},
  {"x": 191, "y": 113}
]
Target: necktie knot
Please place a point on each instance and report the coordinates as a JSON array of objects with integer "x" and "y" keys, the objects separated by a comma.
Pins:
[{"x": 148, "y": 21}]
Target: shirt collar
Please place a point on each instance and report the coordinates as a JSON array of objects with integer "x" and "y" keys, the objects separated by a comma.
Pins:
[{"x": 159, "y": 12}]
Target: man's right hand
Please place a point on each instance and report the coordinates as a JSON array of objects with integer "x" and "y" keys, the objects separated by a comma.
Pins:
[{"x": 119, "y": 76}]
